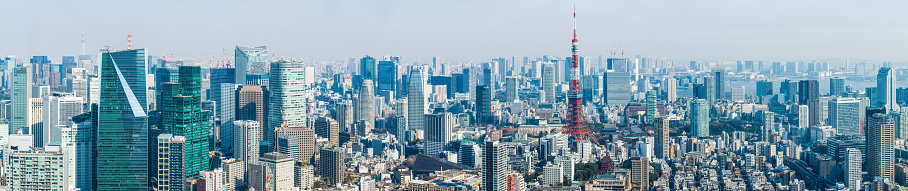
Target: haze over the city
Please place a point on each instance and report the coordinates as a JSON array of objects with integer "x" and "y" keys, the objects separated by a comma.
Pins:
[
  {"x": 678, "y": 30},
  {"x": 499, "y": 95}
]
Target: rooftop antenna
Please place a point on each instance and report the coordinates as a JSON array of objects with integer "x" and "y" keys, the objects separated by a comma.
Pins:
[
  {"x": 83, "y": 41},
  {"x": 129, "y": 42}
]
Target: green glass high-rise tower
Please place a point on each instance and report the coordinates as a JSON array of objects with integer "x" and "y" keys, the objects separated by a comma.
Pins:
[
  {"x": 367, "y": 68},
  {"x": 22, "y": 91},
  {"x": 121, "y": 157},
  {"x": 182, "y": 115}
]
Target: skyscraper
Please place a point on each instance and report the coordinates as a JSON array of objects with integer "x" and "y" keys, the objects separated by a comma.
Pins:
[
  {"x": 699, "y": 118},
  {"x": 494, "y": 166},
  {"x": 737, "y": 94},
  {"x": 305, "y": 141},
  {"x": 416, "y": 97},
  {"x": 246, "y": 140},
  {"x": 35, "y": 122},
  {"x": 227, "y": 114},
  {"x": 651, "y": 111},
  {"x": 548, "y": 82},
  {"x": 247, "y": 59},
  {"x": 483, "y": 105},
  {"x": 367, "y": 68},
  {"x": 161, "y": 76},
  {"x": 22, "y": 91},
  {"x": 78, "y": 143},
  {"x": 885, "y": 90},
  {"x": 639, "y": 176},
  {"x": 398, "y": 127},
  {"x": 853, "y": 162},
  {"x": 182, "y": 115},
  {"x": 327, "y": 128},
  {"x": 764, "y": 88},
  {"x": 707, "y": 90},
  {"x": 236, "y": 171},
  {"x": 468, "y": 154},
  {"x": 171, "y": 167},
  {"x": 662, "y": 139},
  {"x": 58, "y": 108},
  {"x": 344, "y": 116},
  {"x": 809, "y": 94},
  {"x": 387, "y": 76},
  {"x": 670, "y": 87},
  {"x": 510, "y": 89},
  {"x": 280, "y": 175},
  {"x": 880, "y": 152},
  {"x": 844, "y": 116},
  {"x": 617, "y": 87},
  {"x": 331, "y": 163},
  {"x": 366, "y": 105},
  {"x": 288, "y": 96},
  {"x": 122, "y": 133},
  {"x": 804, "y": 116},
  {"x": 836, "y": 86},
  {"x": 488, "y": 74},
  {"x": 220, "y": 76},
  {"x": 288, "y": 145},
  {"x": 619, "y": 64},
  {"x": 719, "y": 77},
  {"x": 438, "y": 132},
  {"x": 250, "y": 104},
  {"x": 769, "y": 123},
  {"x": 304, "y": 176}
]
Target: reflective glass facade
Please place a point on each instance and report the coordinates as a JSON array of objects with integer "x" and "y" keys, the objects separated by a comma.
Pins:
[{"x": 122, "y": 133}]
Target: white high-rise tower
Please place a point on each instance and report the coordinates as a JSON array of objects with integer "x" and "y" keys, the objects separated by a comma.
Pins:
[
  {"x": 416, "y": 100},
  {"x": 885, "y": 86}
]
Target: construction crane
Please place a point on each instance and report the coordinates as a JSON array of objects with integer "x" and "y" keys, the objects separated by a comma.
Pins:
[
  {"x": 226, "y": 61},
  {"x": 217, "y": 64}
]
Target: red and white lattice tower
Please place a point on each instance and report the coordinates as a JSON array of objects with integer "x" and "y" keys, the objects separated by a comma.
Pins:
[{"x": 576, "y": 125}]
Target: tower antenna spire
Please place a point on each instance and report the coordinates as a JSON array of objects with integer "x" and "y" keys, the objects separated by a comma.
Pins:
[
  {"x": 83, "y": 41},
  {"x": 575, "y": 22}
]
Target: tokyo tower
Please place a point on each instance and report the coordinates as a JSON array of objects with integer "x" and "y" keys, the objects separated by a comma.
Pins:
[{"x": 576, "y": 125}]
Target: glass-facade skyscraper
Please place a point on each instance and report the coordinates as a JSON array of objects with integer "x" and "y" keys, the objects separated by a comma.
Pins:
[
  {"x": 122, "y": 134},
  {"x": 288, "y": 97},
  {"x": 22, "y": 91},
  {"x": 699, "y": 118},
  {"x": 416, "y": 100},
  {"x": 387, "y": 77},
  {"x": 248, "y": 59},
  {"x": 367, "y": 68},
  {"x": 844, "y": 116},
  {"x": 885, "y": 90},
  {"x": 182, "y": 115}
]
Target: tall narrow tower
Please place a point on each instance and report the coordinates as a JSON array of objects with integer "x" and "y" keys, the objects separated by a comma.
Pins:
[{"x": 575, "y": 121}]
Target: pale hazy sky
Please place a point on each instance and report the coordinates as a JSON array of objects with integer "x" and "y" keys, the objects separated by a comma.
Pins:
[{"x": 676, "y": 29}]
